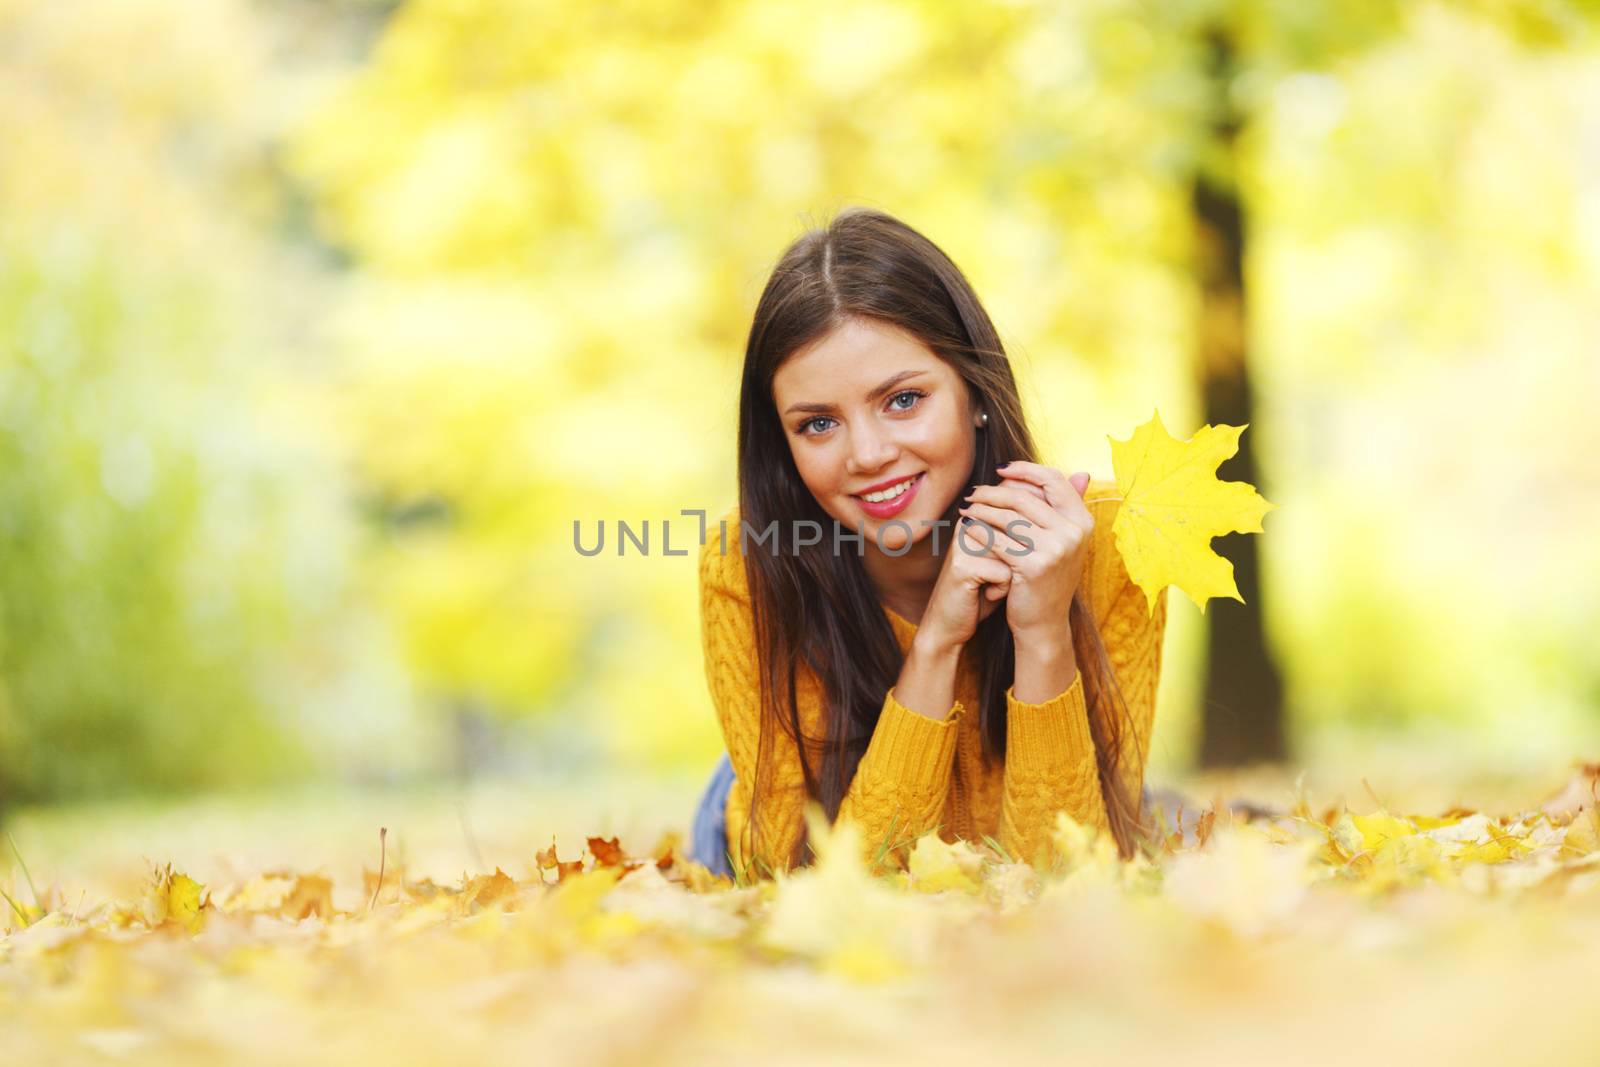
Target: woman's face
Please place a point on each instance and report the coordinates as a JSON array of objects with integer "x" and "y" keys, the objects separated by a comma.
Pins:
[{"x": 868, "y": 409}]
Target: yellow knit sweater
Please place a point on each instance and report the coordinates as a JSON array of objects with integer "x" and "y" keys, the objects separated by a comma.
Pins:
[{"x": 921, "y": 774}]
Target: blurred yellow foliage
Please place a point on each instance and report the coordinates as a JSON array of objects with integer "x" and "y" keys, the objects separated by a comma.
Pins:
[{"x": 1252, "y": 942}]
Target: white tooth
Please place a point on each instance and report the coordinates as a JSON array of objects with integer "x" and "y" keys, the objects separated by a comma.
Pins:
[{"x": 890, "y": 493}]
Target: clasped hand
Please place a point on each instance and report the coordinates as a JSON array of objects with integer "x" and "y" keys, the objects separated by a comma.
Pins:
[{"x": 1045, "y": 510}]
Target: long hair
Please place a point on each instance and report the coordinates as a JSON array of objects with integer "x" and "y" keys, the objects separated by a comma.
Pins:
[{"x": 815, "y": 607}]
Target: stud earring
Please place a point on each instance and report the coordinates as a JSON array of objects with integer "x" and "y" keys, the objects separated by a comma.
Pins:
[{"x": 983, "y": 420}]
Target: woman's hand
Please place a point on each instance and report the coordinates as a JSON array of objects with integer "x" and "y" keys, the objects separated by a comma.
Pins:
[
  {"x": 971, "y": 584},
  {"x": 1042, "y": 506}
]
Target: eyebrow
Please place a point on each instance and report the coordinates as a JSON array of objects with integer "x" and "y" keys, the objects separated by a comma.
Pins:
[{"x": 828, "y": 409}]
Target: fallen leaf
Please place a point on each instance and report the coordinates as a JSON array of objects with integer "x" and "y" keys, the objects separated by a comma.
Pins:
[
  {"x": 936, "y": 865},
  {"x": 174, "y": 899},
  {"x": 311, "y": 895},
  {"x": 547, "y": 860},
  {"x": 606, "y": 852},
  {"x": 1582, "y": 791},
  {"x": 489, "y": 889}
]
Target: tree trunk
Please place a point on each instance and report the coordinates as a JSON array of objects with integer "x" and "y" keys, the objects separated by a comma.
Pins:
[{"x": 1242, "y": 718}]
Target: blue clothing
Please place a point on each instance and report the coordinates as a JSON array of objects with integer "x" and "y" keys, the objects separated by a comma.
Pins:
[
  {"x": 708, "y": 841},
  {"x": 708, "y": 844}
]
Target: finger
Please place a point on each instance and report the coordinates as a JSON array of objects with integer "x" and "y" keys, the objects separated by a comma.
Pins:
[
  {"x": 1017, "y": 483},
  {"x": 993, "y": 539},
  {"x": 1048, "y": 477},
  {"x": 1038, "y": 512},
  {"x": 991, "y": 592},
  {"x": 976, "y": 557},
  {"x": 1078, "y": 482},
  {"x": 1065, "y": 495},
  {"x": 1037, "y": 473},
  {"x": 1015, "y": 539},
  {"x": 1019, "y": 528},
  {"x": 997, "y": 590},
  {"x": 984, "y": 572}
]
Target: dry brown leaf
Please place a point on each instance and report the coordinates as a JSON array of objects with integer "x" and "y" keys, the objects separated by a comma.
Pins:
[
  {"x": 606, "y": 852},
  {"x": 547, "y": 860},
  {"x": 489, "y": 889}
]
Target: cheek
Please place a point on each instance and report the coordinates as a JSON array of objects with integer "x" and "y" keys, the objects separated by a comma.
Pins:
[
  {"x": 944, "y": 443},
  {"x": 816, "y": 469}
]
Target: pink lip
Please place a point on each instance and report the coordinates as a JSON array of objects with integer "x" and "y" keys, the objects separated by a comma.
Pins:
[
  {"x": 889, "y": 508},
  {"x": 886, "y": 483}
]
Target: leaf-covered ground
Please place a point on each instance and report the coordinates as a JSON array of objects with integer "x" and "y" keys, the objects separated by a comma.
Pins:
[{"x": 1306, "y": 933}]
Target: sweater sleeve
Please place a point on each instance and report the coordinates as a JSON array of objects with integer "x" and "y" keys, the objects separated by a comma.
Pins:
[
  {"x": 899, "y": 786},
  {"x": 1050, "y": 753}
]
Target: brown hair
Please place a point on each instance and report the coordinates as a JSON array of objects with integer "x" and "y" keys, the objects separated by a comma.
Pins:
[{"x": 819, "y": 608}]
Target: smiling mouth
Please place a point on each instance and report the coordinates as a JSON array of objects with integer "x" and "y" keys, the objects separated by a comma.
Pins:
[
  {"x": 893, "y": 492},
  {"x": 886, "y": 503}
]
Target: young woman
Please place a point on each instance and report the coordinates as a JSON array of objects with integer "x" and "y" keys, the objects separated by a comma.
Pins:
[{"x": 973, "y": 662}]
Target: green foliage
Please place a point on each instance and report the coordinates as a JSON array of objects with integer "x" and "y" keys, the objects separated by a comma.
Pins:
[
  {"x": 171, "y": 560},
  {"x": 130, "y": 574}
]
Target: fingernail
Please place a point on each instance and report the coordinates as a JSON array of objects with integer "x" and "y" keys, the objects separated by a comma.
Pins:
[
  {"x": 966, "y": 520},
  {"x": 1003, "y": 466}
]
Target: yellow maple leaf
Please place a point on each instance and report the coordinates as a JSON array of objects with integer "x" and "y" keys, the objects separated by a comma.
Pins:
[
  {"x": 1380, "y": 827},
  {"x": 174, "y": 898},
  {"x": 1173, "y": 505},
  {"x": 184, "y": 903}
]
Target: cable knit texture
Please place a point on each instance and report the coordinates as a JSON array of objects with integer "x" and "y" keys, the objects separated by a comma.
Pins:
[{"x": 918, "y": 773}]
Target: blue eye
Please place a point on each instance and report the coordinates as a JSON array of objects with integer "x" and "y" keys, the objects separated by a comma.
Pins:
[{"x": 914, "y": 394}]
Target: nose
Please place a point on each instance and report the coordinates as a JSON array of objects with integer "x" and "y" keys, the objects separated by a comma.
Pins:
[{"x": 870, "y": 450}]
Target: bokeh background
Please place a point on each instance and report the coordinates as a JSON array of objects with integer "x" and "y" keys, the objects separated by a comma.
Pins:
[{"x": 322, "y": 323}]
